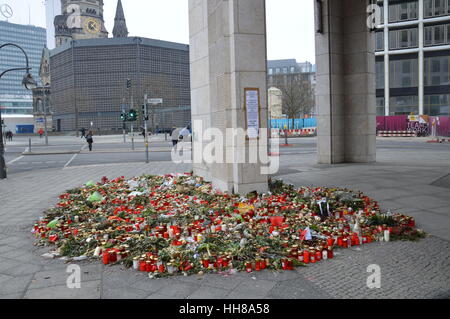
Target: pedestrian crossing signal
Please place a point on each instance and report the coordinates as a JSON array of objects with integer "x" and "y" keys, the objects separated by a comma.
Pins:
[{"x": 123, "y": 117}]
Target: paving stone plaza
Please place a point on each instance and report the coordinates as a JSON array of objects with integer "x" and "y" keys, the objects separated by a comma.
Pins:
[{"x": 409, "y": 269}]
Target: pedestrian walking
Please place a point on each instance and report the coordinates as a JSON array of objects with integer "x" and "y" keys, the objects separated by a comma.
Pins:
[
  {"x": 175, "y": 136},
  {"x": 41, "y": 132},
  {"x": 90, "y": 140},
  {"x": 10, "y": 136},
  {"x": 184, "y": 133},
  {"x": 83, "y": 132}
]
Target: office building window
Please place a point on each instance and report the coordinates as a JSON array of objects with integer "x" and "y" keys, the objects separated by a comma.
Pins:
[
  {"x": 448, "y": 33},
  {"x": 436, "y": 71},
  {"x": 403, "y": 73},
  {"x": 439, "y": 7},
  {"x": 428, "y": 34},
  {"x": 380, "y": 74},
  {"x": 436, "y": 8},
  {"x": 285, "y": 70},
  {"x": 292, "y": 69},
  {"x": 402, "y": 39},
  {"x": 270, "y": 71},
  {"x": 437, "y": 35},
  {"x": 380, "y": 106},
  {"x": 403, "y": 11},
  {"x": 379, "y": 38},
  {"x": 437, "y": 105},
  {"x": 404, "y": 105}
]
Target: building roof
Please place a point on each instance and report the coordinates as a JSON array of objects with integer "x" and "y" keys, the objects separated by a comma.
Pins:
[
  {"x": 282, "y": 63},
  {"x": 119, "y": 41},
  {"x": 120, "y": 25}
]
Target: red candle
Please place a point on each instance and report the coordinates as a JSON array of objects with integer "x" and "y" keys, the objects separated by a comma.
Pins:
[
  {"x": 290, "y": 265},
  {"x": 142, "y": 265},
  {"x": 313, "y": 258},
  {"x": 248, "y": 267},
  {"x": 306, "y": 257},
  {"x": 345, "y": 242},
  {"x": 318, "y": 256},
  {"x": 161, "y": 269},
  {"x": 330, "y": 254},
  {"x": 112, "y": 257},
  {"x": 263, "y": 264},
  {"x": 340, "y": 242},
  {"x": 330, "y": 242},
  {"x": 106, "y": 257},
  {"x": 258, "y": 265}
]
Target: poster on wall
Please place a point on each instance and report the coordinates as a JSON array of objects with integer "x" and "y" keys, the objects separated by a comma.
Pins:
[{"x": 252, "y": 111}]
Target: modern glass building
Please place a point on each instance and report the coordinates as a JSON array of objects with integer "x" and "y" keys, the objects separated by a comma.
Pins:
[
  {"x": 413, "y": 58},
  {"x": 89, "y": 83},
  {"x": 14, "y": 98}
]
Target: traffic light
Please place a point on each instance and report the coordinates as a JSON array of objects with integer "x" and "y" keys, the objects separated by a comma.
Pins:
[
  {"x": 132, "y": 116},
  {"x": 128, "y": 84},
  {"x": 144, "y": 112},
  {"x": 123, "y": 117}
]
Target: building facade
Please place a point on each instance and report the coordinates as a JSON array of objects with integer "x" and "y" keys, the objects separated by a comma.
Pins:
[
  {"x": 285, "y": 75},
  {"x": 289, "y": 68},
  {"x": 89, "y": 82},
  {"x": 413, "y": 58},
  {"x": 14, "y": 98}
]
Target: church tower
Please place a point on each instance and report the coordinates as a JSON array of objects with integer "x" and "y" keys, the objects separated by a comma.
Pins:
[
  {"x": 120, "y": 25},
  {"x": 80, "y": 20}
]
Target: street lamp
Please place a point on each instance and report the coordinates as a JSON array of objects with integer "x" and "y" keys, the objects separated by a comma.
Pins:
[{"x": 29, "y": 83}]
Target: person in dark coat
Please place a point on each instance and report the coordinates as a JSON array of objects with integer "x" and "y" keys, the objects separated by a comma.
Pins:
[
  {"x": 83, "y": 132},
  {"x": 90, "y": 140}
]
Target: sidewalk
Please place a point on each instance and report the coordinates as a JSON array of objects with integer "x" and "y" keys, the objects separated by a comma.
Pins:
[{"x": 409, "y": 269}]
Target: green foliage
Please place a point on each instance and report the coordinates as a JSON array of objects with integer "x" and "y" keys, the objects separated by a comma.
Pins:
[{"x": 380, "y": 220}]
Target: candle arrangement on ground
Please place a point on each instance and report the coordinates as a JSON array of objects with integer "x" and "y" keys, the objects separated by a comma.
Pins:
[{"x": 177, "y": 224}]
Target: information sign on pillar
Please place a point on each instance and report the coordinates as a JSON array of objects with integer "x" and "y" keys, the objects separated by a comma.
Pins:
[{"x": 252, "y": 112}]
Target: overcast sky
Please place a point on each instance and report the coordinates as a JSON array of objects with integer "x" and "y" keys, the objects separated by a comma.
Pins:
[{"x": 290, "y": 23}]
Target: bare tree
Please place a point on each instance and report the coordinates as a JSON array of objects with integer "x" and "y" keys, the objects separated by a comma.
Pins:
[{"x": 298, "y": 95}]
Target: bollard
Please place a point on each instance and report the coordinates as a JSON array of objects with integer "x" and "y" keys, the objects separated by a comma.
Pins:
[
  {"x": 29, "y": 145},
  {"x": 132, "y": 143}
]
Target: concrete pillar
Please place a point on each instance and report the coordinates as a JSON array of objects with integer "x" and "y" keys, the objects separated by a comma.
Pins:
[
  {"x": 345, "y": 90},
  {"x": 387, "y": 88},
  {"x": 228, "y": 54},
  {"x": 421, "y": 59}
]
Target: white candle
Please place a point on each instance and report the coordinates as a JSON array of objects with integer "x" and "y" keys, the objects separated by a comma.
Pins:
[
  {"x": 98, "y": 251},
  {"x": 387, "y": 235},
  {"x": 325, "y": 255}
]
